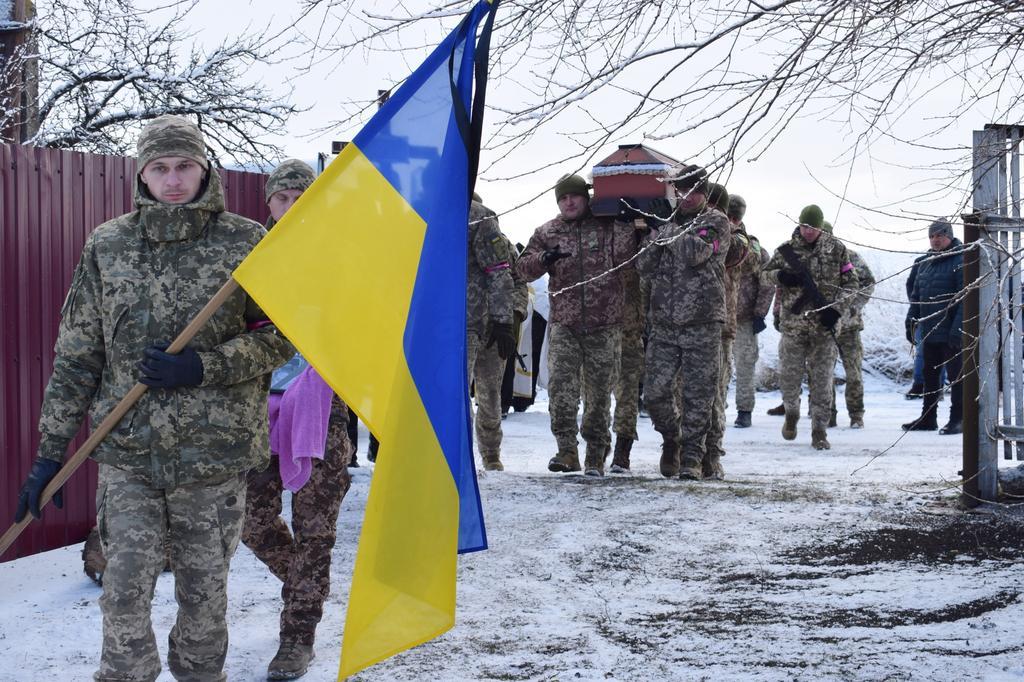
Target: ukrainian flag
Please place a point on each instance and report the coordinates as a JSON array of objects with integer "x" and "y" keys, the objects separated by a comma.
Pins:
[{"x": 366, "y": 275}]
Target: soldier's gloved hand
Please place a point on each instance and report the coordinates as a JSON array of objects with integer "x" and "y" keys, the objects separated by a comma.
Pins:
[
  {"x": 503, "y": 334},
  {"x": 662, "y": 210},
  {"x": 829, "y": 317},
  {"x": 758, "y": 325},
  {"x": 790, "y": 279},
  {"x": 43, "y": 471},
  {"x": 552, "y": 256},
  {"x": 163, "y": 370},
  {"x": 629, "y": 210},
  {"x": 910, "y": 332}
]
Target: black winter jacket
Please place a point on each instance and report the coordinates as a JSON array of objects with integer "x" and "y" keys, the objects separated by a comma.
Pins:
[{"x": 934, "y": 303}]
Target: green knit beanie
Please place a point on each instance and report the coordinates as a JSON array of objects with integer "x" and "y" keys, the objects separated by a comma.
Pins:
[
  {"x": 812, "y": 215},
  {"x": 718, "y": 196},
  {"x": 737, "y": 207},
  {"x": 571, "y": 184}
]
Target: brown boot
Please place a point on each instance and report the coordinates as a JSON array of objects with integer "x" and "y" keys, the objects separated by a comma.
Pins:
[
  {"x": 596, "y": 455},
  {"x": 492, "y": 463},
  {"x": 712, "y": 468},
  {"x": 692, "y": 469},
  {"x": 669, "y": 459},
  {"x": 819, "y": 439},
  {"x": 620, "y": 458},
  {"x": 565, "y": 461},
  {"x": 789, "y": 428},
  {"x": 777, "y": 411},
  {"x": 292, "y": 660}
]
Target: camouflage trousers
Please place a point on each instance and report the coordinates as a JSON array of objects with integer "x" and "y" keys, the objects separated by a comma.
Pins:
[
  {"x": 716, "y": 430},
  {"x": 202, "y": 522},
  {"x": 627, "y": 385},
  {"x": 852, "y": 353},
  {"x": 301, "y": 557},
  {"x": 745, "y": 352},
  {"x": 591, "y": 358},
  {"x": 681, "y": 384},
  {"x": 486, "y": 371},
  {"x": 813, "y": 353}
]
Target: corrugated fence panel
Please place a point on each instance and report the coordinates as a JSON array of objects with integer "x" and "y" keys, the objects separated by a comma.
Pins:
[{"x": 50, "y": 201}]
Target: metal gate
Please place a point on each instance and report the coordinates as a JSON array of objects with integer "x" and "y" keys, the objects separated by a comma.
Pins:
[{"x": 993, "y": 334}]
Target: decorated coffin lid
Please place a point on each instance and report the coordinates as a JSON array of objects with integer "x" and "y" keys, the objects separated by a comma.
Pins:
[{"x": 634, "y": 171}]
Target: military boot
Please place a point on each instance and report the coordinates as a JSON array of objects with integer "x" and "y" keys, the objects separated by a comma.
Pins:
[
  {"x": 292, "y": 660},
  {"x": 856, "y": 421},
  {"x": 620, "y": 458},
  {"x": 777, "y": 411},
  {"x": 594, "y": 463},
  {"x": 789, "y": 428},
  {"x": 832, "y": 420},
  {"x": 565, "y": 461},
  {"x": 492, "y": 462},
  {"x": 669, "y": 459},
  {"x": 742, "y": 420},
  {"x": 712, "y": 468},
  {"x": 692, "y": 469},
  {"x": 819, "y": 439}
]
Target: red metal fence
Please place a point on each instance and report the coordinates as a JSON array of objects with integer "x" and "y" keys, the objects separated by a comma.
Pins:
[{"x": 50, "y": 200}]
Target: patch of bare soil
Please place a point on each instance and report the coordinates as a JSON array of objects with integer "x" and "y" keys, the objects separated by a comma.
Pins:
[{"x": 928, "y": 540}]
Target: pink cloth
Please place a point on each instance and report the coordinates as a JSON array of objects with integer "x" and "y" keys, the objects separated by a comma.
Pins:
[{"x": 298, "y": 426}]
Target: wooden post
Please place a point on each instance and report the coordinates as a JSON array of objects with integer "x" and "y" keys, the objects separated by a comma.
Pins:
[{"x": 111, "y": 420}]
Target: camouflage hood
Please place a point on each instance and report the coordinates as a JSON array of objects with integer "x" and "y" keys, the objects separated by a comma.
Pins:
[{"x": 178, "y": 222}]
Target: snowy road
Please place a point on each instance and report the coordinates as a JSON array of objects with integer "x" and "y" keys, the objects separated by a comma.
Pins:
[{"x": 801, "y": 565}]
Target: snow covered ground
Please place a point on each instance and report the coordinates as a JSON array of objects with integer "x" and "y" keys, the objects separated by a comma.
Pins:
[{"x": 844, "y": 564}]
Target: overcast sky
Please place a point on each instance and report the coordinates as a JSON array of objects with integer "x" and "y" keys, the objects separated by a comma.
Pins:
[{"x": 807, "y": 164}]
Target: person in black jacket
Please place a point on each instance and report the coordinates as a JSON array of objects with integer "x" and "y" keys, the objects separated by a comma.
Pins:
[{"x": 935, "y": 317}]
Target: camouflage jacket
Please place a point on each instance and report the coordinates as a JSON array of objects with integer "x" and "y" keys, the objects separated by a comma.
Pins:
[
  {"x": 865, "y": 287},
  {"x": 753, "y": 296},
  {"x": 491, "y": 293},
  {"x": 739, "y": 249},
  {"x": 685, "y": 266},
  {"x": 141, "y": 278},
  {"x": 828, "y": 263},
  {"x": 597, "y": 246}
]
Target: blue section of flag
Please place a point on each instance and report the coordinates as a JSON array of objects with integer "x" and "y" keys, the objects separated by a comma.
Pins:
[{"x": 431, "y": 173}]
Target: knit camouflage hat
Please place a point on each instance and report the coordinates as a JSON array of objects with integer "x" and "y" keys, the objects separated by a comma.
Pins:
[
  {"x": 737, "y": 207},
  {"x": 571, "y": 184},
  {"x": 291, "y": 174},
  {"x": 827, "y": 227},
  {"x": 718, "y": 196},
  {"x": 813, "y": 216},
  {"x": 171, "y": 136}
]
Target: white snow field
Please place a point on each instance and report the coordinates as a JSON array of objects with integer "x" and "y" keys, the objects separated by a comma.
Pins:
[{"x": 848, "y": 564}]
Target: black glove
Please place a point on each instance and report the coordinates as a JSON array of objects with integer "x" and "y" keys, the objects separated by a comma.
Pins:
[
  {"x": 829, "y": 317},
  {"x": 163, "y": 370},
  {"x": 910, "y": 332},
  {"x": 503, "y": 334},
  {"x": 758, "y": 324},
  {"x": 549, "y": 258},
  {"x": 662, "y": 208},
  {"x": 43, "y": 471},
  {"x": 790, "y": 279},
  {"x": 629, "y": 210}
]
